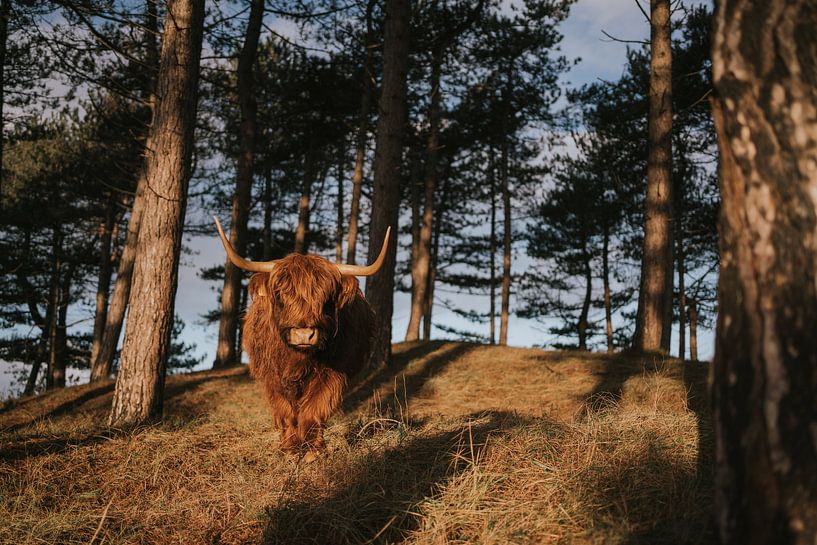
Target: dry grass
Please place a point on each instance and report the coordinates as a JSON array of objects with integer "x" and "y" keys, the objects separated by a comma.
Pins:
[{"x": 457, "y": 443}]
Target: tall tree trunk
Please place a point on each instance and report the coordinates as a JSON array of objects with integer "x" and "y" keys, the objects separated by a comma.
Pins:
[
  {"x": 103, "y": 284},
  {"x": 4, "y": 31},
  {"x": 492, "y": 250},
  {"x": 31, "y": 382},
  {"x": 101, "y": 365},
  {"x": 765, "y": 371},
  {"x": 605, "y": 273},
  {"x": 415, "y": 183},
  {"x": 231, "y": 291},
  {"x": 140, "y": 382},
  {"x": 59, "y": 350},
  {"x": 339, "y": 204},
  {"x": 653, "y": 324},
  {"x": 420, "y": 265},
  {"x": 692, "y": 306},
  {"x": 506, "y": 209},
  {"x": 367, "y": 88},
  {"x": 682, "y": 303},
  {"x": 428, "y": 305},
  {"x": 588, "y": 293},
  {"x": 266, "y": 232},
  {"x": 391, "y": 128},
  {"x": 52, "y": 314},
  {"x": 310, "y": 172}
]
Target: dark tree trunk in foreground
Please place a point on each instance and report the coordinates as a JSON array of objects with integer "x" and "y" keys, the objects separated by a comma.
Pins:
[
  {"x": 362, "y": 135},
  {"x": 692, "y": 307},
  {"x": 104, "y": 278},
  {"x": 765, "y": 370},
  {"x": 653, "y": 324},
  {"x": 605, "y": 273},
  {"x": 388, "y": 156},
  {"x": 421, "y": 261},
  {"x": 226, "y": 350},
  {"x": 140, "y": 382},
  {"x": 118, "y": 303}
]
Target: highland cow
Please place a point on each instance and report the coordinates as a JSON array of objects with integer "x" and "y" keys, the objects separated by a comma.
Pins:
[{"x": 307, "y": 333}]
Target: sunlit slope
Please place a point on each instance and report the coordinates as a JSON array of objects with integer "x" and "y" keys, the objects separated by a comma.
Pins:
[{"x": 456, "y": 443}]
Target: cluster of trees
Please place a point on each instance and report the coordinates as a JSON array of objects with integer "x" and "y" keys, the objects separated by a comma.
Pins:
[{"x": 118, "y": 115}]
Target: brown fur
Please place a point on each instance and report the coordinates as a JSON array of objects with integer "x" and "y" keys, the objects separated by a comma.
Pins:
[{"x": 303, "y": 388}]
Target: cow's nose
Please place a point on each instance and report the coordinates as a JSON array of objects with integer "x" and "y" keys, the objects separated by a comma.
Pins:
[{"x": 303, "y": 336}]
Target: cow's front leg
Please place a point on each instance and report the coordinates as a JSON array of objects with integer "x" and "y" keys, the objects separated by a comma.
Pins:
[
  {"x": 321, "y": 398},
  {"x": 285, "y": 420}
]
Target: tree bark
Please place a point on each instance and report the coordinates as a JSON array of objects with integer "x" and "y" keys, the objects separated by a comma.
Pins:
[
  {"x": 310, "y": 172},
  {"x": 605, "y": 273},
  {"x": 101, "y": 365},
  {"x": 428, "y": 305},
  {"x": 266, "y": 233},
  {"x": 682, "y": 303},
  {"x": 692, "y": 307},
  {"x": 103, "y": 284},
  {"x": 765, "y": 370},
  {"x": 52, "y": 314},
  {"x": 420, "y": 265},
  {"x": 339, "y": 204},
  {"x": 139, "y": 389},
  {"x": 506, "y": 211},
  {"x": 4, "y": 30},
  {"x": 492, "y": 249},
  {"x": 226, "y": 350},
  {"x": 588, "y": 293},
  {"x": 653, "y": 325},
  {"x": 59, "y": 350},
  {"x": 388, "y": 157},
  {"x": 367, "y": 89}
]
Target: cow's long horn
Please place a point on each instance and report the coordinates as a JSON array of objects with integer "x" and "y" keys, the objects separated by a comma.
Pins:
[
  {"x": 367, "y": 270},
  {"x": 237, "y": 260}
]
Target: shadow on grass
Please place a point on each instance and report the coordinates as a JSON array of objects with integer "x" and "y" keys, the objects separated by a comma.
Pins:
[
  {"x": 611, "y": 376},
  {"x": 409, "y": 371},
  {"x": 376, "y": 499}
]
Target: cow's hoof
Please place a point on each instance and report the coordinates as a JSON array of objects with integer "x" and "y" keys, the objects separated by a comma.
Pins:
[{"x": 312, "y": 455}]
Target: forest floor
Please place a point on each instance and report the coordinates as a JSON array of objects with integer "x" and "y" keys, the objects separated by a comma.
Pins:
[{"x": 455, "y": 443}]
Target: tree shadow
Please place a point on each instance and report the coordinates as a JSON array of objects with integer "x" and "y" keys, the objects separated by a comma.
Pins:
[
  {"x": 377, "y": 497},
  {"x": 611, "y": 376},
  {"x": 410, "y": 370}
]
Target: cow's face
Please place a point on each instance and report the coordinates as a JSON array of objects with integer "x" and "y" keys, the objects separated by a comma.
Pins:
[{"x": 304, "y": 292}]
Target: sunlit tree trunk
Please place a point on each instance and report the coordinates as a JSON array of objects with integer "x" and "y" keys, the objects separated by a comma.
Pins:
[
  {"x": 653, "y": 324},
  {"x": 506, "y": 210},
  {"x": 118, "y": 303},
  {"x": 362, "y": 134},
  {"x": 421, "y": 264},
  {"x": 139, "y": 392},
  {"x": 226, "y": 350},
  {"x": 765, "y": 370},
  {"x": 388, "y": 157},
  {"x": 428, "y": 305}
]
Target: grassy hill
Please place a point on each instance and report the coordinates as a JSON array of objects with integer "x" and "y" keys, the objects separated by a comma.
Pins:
[{"x": 456, "y": 443}]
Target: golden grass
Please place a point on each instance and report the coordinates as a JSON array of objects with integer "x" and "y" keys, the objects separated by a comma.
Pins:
[{"x": 457, "y": 443}]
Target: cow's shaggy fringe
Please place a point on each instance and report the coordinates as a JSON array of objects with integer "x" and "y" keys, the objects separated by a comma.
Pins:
[{"x": 591, "y": 449}]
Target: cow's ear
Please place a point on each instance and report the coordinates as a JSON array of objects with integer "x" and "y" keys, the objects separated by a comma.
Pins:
[
  {"x": 258, "y": 285},
  {"x": 349, "y": 289}
]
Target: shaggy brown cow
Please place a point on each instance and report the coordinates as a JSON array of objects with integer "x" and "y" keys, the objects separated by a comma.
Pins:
[{"x": 307, "y": 332}]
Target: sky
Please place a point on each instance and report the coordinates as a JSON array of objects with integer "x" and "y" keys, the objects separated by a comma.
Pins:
[{"x": 600, "y": 59}]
